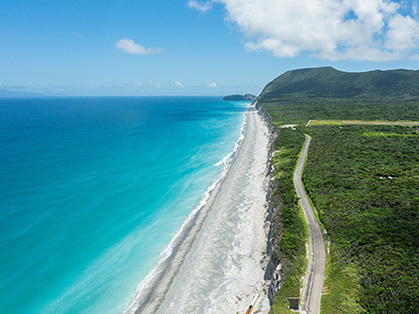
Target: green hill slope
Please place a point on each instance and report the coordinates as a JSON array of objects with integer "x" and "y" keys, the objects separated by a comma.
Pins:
[
  {"x": 325, "y": 93},
  {"x": 362, "y": 180},
  {"x": 329, "y": 82}
]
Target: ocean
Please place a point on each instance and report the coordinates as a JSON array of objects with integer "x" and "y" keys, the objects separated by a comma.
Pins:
[{"x": 92, "y": 190}]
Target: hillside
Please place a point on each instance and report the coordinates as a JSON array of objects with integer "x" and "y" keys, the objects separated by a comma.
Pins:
[
  {"x": 362, "y": 180},
  {"x": 239, "y": 97},
  {"x": 325, "y": 93},
  {"x": 329, "y": 82}
]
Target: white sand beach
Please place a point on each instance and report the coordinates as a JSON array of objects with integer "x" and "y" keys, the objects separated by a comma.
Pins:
[{"x": 217, "y": 265}]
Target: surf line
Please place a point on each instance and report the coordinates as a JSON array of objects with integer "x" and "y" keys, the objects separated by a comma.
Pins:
[{"x": 151, "y": 291}]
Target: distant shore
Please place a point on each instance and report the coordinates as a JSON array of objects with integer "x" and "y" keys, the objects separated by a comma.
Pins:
[{"x": 218, "y": 259}]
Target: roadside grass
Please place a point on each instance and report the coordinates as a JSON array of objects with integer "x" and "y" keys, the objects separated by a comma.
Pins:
[
  {"x": 341, "y": 288},
  {"x": 308, "y": 254},
  {"x": 325, "y": 122},
  {"x": 290, "y": 229},
  {"x": 326, "y": 237},
  {"x": 375, "y": 122},
  {"x": 316, "y": 213},
  {"x": 291, "y": 288}
]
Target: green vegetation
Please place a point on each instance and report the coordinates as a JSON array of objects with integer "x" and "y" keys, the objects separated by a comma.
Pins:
[
  {"x": 382, "y": 122},
  {"x": 366, "y": 191},
  {"x": 363, "y": 181},
  {"x": 325, "y": 93},
  {"x": 290, "y": 233},
  {"x": 239, "y": 97},
  {"x": 301, "y": 110},
  {"x": 328, "y": 83}
]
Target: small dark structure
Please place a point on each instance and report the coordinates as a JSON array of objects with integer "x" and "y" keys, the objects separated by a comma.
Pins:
[{"x": 294, "y": 303}]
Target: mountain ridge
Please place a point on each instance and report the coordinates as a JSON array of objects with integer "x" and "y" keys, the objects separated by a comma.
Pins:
[{"x": 329, "y": 82}]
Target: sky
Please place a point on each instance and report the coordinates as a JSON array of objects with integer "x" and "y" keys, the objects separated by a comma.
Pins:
[{"x": 193, "y": 47}]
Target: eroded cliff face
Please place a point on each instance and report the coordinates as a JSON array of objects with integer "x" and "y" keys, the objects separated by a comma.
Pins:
[
  {"x": 271, "y": 265},
  {"x": 268, "y": 119}
]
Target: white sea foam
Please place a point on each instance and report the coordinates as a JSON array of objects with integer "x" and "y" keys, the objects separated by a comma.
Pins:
[
  {"x": 135, "y": 301},
  {"x": 167, "y": 252},
  {"x": 225, "y": 258}
]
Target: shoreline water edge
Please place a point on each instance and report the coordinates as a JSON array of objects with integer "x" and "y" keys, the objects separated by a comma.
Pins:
[{"x": 221, "y": 260}]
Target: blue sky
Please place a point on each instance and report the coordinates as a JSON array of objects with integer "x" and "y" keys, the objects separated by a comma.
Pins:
[{"x": 187, "y": 47}]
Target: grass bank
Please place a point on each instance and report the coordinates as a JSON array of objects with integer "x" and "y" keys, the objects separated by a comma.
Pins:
[{"x": 290, "y": 231}]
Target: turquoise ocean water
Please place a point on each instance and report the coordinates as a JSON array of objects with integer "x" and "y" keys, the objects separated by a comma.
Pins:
[{"x": 93, "y": 189}]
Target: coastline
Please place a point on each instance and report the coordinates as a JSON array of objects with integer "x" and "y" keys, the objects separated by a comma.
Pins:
[{"x": 219, "y": 260}]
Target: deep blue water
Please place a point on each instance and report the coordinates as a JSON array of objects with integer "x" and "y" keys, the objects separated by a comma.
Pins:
[{"x": 93, "y": 189}]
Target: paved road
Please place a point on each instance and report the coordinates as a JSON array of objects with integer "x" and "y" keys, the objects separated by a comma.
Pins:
[{"x": 314, "y": 286}]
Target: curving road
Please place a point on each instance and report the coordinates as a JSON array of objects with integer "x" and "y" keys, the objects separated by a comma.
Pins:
[{"x": 314, "y": 281}]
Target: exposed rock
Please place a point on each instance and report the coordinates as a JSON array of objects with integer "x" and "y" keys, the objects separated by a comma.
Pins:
[{"x": 272, "y": 266}]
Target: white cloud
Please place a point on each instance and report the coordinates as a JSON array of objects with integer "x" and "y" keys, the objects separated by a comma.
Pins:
[
  {"x": 213, "y": 84},
  {"x": 135, "y": 84},
  {"x": 154, "y": 84},
  {"x": 403, "y": 33},
  {"x": 179, "y": 84},
  {"x": 202, "y": 6},
  {"x": 129, "y": 46},
  {"x": 58, "y": 90},
  {"x": 374, "y": 30}
]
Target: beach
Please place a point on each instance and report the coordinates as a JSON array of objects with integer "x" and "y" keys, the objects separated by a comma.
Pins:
[
  {"x": 216, "y": 263},
  {"x": 119, "y": 176}
]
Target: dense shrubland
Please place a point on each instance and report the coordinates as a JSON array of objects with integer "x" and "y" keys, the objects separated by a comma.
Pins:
[
  {"x": 363, "y": 181},
  {"x": 289, "y": 229}
]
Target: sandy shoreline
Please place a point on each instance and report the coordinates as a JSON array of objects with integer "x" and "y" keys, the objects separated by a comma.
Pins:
[{"x": 218, "y": 259}]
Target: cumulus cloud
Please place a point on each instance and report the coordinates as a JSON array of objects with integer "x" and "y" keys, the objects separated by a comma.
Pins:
[
  {"x": 213, "y": 84},
  {"x": 403, "y": 33},
  {"x": 200, "y": 6},
  {"x": 179, "y": 84},
  {"x": 129, "y": 46},
  {"x": 373, "y": 30}
]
